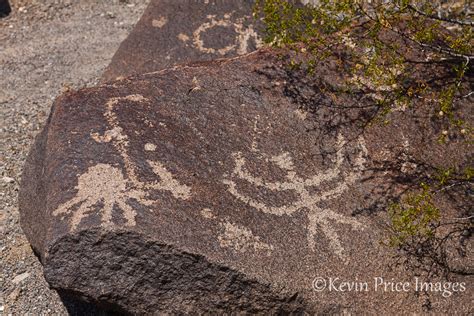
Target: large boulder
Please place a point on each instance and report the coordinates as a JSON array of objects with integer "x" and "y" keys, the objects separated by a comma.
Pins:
[
  {"x": 209, "y": 188},
  {"x": 172, "y": 32}
]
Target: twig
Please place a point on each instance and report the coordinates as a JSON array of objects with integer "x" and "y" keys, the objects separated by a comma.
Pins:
[{"x": 468, "y": 23}]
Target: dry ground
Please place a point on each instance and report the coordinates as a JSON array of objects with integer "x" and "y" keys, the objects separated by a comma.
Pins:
[{"x": 45, "y": 46}]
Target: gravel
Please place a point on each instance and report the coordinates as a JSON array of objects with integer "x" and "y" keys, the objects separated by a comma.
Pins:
[{"x": 46, "y": 47}]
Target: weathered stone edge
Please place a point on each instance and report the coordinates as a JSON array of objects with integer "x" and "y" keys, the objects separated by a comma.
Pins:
[{"x": 168, "y": 279}]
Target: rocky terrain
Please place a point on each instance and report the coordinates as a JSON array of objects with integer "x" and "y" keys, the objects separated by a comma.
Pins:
[{"x": 46, "y": 48}]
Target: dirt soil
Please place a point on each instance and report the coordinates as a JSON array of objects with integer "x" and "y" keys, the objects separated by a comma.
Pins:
[{"x": 46, "y": 47}]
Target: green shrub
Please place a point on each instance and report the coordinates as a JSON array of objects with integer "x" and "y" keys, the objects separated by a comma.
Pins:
[{"x": 414, "y": 217}]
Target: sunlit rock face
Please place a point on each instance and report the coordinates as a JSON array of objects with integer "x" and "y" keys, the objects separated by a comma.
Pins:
[
  {"x": 224, "y": 186},
  {"x": 209, "y": 188}
]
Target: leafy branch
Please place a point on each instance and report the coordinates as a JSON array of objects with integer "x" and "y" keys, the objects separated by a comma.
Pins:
[{"x": 399, "y": 54}]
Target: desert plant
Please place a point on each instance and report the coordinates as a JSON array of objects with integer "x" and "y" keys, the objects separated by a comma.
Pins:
[{"x": 402, "y": 53}]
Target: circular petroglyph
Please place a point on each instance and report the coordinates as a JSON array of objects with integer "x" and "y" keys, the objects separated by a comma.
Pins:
[{"x": 239, "y": 41}]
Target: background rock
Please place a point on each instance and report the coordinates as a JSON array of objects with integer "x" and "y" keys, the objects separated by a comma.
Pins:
[{"x": 174, "y": 32}]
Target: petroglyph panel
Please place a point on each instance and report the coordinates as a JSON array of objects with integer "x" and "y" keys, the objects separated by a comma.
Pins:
[
  {"x": 298, "y": 193},
  {"x": 320, "y": 220},
  {"x": 214, "y": 173}
]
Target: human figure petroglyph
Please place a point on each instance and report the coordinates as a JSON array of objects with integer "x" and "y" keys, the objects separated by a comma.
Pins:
[
  {"x": 317, "y": 216},
  {"x": 105, "y": 184},
  {"x": 244, "y": 35}
]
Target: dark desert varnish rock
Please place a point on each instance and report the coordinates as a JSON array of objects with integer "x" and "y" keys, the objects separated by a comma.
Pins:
[
  {"x": 174, "y": 32},
  {"x": 207, "y": 188}
]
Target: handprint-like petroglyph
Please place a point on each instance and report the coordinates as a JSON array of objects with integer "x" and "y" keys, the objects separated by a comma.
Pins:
[
  {"x": 103, "y": 184},
  {"x": 317, "y": 216},
  {"x": 240, "y": 43},
  {"x": 106, "y": 185}
]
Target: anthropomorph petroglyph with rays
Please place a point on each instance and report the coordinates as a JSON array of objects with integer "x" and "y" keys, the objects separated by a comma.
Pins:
[
  {"x": 318, "y": 217},
  {"x": 105, "y": 186}
]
